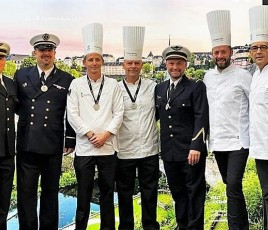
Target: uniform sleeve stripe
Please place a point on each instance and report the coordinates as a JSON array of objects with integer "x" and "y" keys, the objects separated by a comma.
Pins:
[{"x": 201, "y": 132}]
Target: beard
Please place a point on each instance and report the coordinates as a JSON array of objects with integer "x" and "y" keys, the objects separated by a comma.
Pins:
[{"x": 223, "y": 63}]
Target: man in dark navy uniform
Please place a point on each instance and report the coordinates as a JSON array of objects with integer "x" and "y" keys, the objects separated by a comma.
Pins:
[
  {"x": 182, "y": 107},
  {"x": 42, "y": 94},
  {"x": 8, "y": 101}
]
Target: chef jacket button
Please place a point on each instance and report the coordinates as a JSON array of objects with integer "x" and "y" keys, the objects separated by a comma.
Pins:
[
  {"x": 33, "y": 100},
  {"x": 8, "y": 118},
  {"x": 32, "y": 107},
  {"x": 169, "y": 116},
  {"x": 7, "y": 129},
  {"x": 45, "y": 125},
  {"x": 48, "y": 102},
  {"x": 171, "y": 135},
  {"x": 170, "y": 126},
  {"x": 32, "y": 115},
  {"x": 47, "y": 109},
  {"x": 183, "y": 104},
  {"x": 7, "y": 109},
  {"x": 6, "y": 99},
  {"x": 31, "y": 123},
  {"x": 46, "y": 117}
]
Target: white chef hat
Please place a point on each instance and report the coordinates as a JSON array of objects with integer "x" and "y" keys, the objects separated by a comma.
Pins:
[
  {"x": 258, "y": 23},
  {"x": 133, "y": 39},
  {"x": 219, "y": 26},
  {"x": 93, "y": 38}
]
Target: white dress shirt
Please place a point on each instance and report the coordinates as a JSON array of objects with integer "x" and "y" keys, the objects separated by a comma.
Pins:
[
  {"x": 258, "y": 100},
  {"x": 138, "y": 135},
  {"x": 227, "y": 93},
  {"x": 83, "y": 118}
]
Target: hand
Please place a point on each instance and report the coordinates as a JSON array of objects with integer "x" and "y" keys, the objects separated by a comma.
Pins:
[
  {"x": 98, "y": 140},
  {"x": 67, "y": 151},
  {"x": 193, "y": 157},
  {"x": 89, "y": 134}
]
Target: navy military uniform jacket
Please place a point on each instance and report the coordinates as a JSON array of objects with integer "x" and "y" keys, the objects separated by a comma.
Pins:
[
  {"x": 41, "y": 114},
  {"x": 8, "y": 102},
  {"x": 183, "y": 126}
]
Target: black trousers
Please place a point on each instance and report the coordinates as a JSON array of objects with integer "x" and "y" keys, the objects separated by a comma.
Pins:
[
  {"x": 188, "y": 188},
  {"x": 85, "y": 172},
  {"x": 30, "y": 166},
  {"x": 7, "y": 167},
  {"x": 262, "y": 170},
  {"x": 148, "y": 175},
  {"x": 232, "y": 167}
]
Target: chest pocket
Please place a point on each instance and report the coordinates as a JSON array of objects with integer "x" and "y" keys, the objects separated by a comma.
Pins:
[{"x": 183, "y": 104}]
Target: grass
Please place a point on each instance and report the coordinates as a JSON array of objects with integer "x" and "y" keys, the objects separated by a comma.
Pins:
[{"x": 164, "y": 213}]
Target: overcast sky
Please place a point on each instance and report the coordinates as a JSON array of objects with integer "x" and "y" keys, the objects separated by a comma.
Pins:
[{"x": 184, "y": 20}]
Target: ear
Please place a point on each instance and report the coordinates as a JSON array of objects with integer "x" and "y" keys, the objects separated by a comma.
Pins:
[{"x": 33, "y": 53}]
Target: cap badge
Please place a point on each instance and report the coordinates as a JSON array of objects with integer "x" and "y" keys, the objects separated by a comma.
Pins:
[
  {"x": 176, "y": 47},
  {"x": 45, "y": 37}
]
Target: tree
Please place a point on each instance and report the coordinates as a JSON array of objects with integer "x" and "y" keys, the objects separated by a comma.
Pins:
[
  {"x": 10, "y": 69},
  {"x": 199, "y": 74},
  {"x": 190, "y": 72},
  {"x": 159, "y": 76},
  {"x": 29, "y": 61},
  {"x": 147, "y": 69}
]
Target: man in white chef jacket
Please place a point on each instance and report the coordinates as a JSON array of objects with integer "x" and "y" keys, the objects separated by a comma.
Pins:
[
  {"x": 138, "y": 137},
  {"x": 95, "y": 111},
  {"x": 227, "y": 92},
  {"x": 258, "y": 99}
]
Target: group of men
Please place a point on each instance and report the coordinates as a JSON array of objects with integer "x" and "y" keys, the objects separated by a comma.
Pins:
[{"x": 112, "y": 127}]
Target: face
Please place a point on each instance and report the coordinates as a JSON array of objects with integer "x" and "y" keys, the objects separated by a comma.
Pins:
[
  {"x": 45, "y": 57},
  {"x": 93, "y": 63},
  {"x": 2, "y": 63},
  {"x": 259, "y": 53},
  {"x": 132, "y": 68},
  {"x": 222, "y": 56},
  {"x": 176, "y": 67}
]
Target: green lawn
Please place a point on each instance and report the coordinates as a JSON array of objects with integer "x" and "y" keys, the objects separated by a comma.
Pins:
[{"x": 165, "y": 213}]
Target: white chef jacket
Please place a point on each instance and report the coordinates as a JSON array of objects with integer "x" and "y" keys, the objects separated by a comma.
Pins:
[
  {"x": 227, "y": 93},
  {"x": 138, "y": 135},
  {"x": 83, "y": 118},
  {"x": 258, "y": 100}
]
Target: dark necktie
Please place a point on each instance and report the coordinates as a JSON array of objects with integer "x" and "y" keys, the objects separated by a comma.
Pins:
[
  {"x": 170, "y": 90},
  {"x": 42, "y": 78}
]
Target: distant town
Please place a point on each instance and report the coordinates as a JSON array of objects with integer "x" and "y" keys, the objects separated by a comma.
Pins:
[{"x": 113, "y": 66}]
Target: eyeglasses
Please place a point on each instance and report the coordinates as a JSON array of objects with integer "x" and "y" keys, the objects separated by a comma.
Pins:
[{"x": 262, "y": 48}]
